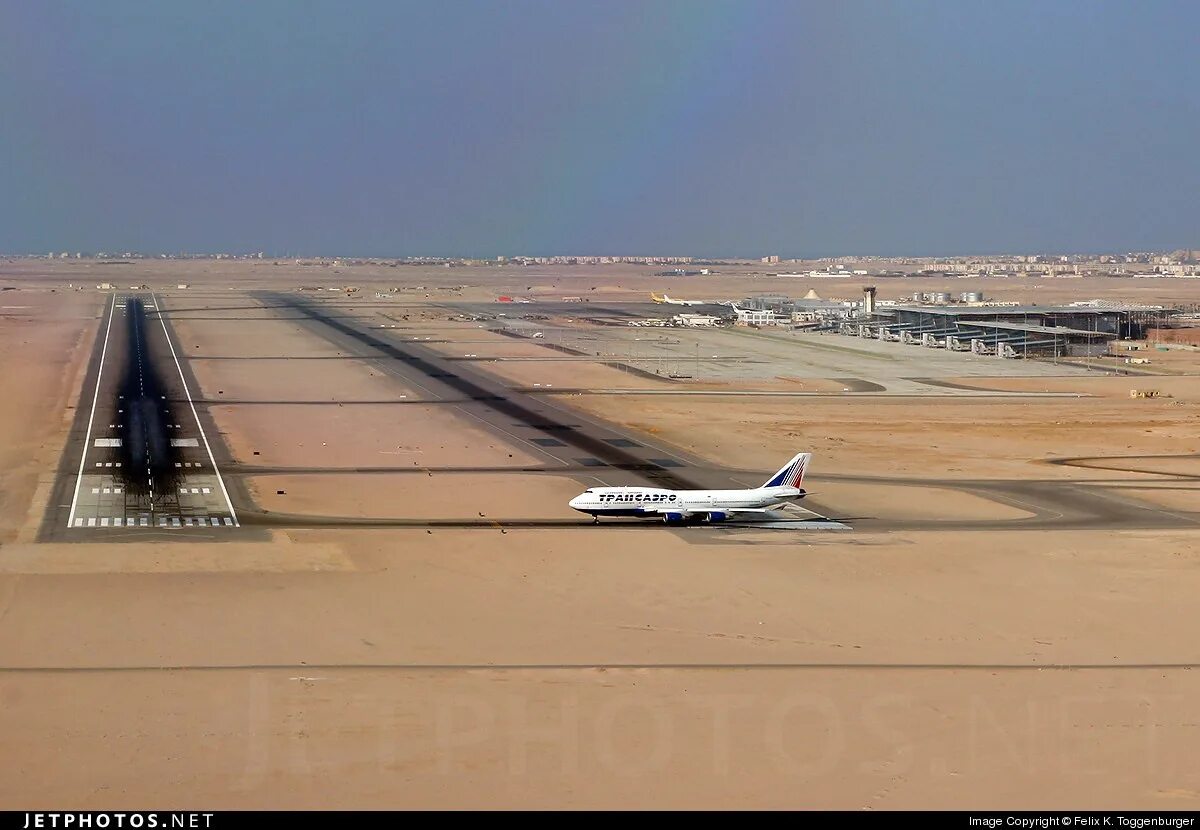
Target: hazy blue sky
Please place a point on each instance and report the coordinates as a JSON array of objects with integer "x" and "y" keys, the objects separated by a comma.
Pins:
[{"x": 381, "y": 127}]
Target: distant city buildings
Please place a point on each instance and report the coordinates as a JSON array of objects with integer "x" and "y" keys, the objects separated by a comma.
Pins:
[
  {"x": 602, "y": 260},
  {"x": 1183, "y": 262}
]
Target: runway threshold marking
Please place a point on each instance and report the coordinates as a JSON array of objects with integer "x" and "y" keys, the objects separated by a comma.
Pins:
[
  {"x": 188, "y": 393},
  {"x": 87, "y": 441}
]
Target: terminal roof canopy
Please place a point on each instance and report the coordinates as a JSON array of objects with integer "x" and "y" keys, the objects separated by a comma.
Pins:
[{"x": 987, "y": 324}]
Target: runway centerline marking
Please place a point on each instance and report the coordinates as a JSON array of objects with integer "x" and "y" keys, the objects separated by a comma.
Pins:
[
  {"x": 87, "y": 441},
  {"x": 188, "y": 393}
]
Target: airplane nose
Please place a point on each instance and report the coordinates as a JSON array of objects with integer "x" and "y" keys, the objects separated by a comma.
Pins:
[{"x": 574, "y": 502}]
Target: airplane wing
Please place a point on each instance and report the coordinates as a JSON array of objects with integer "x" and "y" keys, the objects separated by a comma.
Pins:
[
  {"x": 692, "y": 511},
  {"x": 734, "y": 516}
]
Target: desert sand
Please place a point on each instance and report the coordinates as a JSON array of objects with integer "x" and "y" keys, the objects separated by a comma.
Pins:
[{"x": 44, "y": 339}]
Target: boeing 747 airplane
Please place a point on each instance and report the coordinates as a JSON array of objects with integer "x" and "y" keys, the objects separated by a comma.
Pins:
[{"x": 678, "y": 506}]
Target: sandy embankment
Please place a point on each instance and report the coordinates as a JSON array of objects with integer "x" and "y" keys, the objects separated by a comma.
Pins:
[
  {"x": 318, "y": 732},
  {"x": 554, "y": 596},
  {"x": 612, "y": 738}
]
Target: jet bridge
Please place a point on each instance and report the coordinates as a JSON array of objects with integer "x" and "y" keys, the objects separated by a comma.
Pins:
[
  {"x": 993, "y": 343},
  {"x": 1023, "y": 348},
  {"x": 894, "y": 332},
  {"x": 936, "y": 339},
  {"x": 920, "y": 335}
]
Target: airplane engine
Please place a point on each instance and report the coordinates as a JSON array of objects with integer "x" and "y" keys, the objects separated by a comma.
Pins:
[
  {"x": 717, "y": 516},
  {"x": 672, "y": 517}
]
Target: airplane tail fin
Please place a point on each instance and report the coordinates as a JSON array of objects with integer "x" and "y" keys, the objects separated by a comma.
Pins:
[
  {"x": 792, "y": 474},
  {"x": 655, "y": 297}
]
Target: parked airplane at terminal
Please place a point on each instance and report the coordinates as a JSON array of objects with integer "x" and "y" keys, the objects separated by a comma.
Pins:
[
  {"x": 754, "y": 316},
  {"x": 669, "y": 300},
  {"x": 677, "y": 506}
]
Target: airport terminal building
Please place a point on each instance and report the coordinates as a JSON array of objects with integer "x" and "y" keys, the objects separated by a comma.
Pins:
[{"x": 1009, "y": 331}]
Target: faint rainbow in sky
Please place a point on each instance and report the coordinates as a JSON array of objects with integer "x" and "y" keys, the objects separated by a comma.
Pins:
[{"x": 663, "y": 103}]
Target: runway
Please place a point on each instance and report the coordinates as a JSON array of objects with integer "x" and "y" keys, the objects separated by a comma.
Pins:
[{"x": 138, "y": 459}]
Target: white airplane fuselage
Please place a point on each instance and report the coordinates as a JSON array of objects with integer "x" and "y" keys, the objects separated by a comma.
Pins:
[
  {"x": 673, "y": 506},
  {"x": 667, "y": 299},
  {"x": 678, "y": 505}
]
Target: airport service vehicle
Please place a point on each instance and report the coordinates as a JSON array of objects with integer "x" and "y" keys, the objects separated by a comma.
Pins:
[
  {"x": 684, "y": 506},
  {"x": 669, "y": 300}
]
